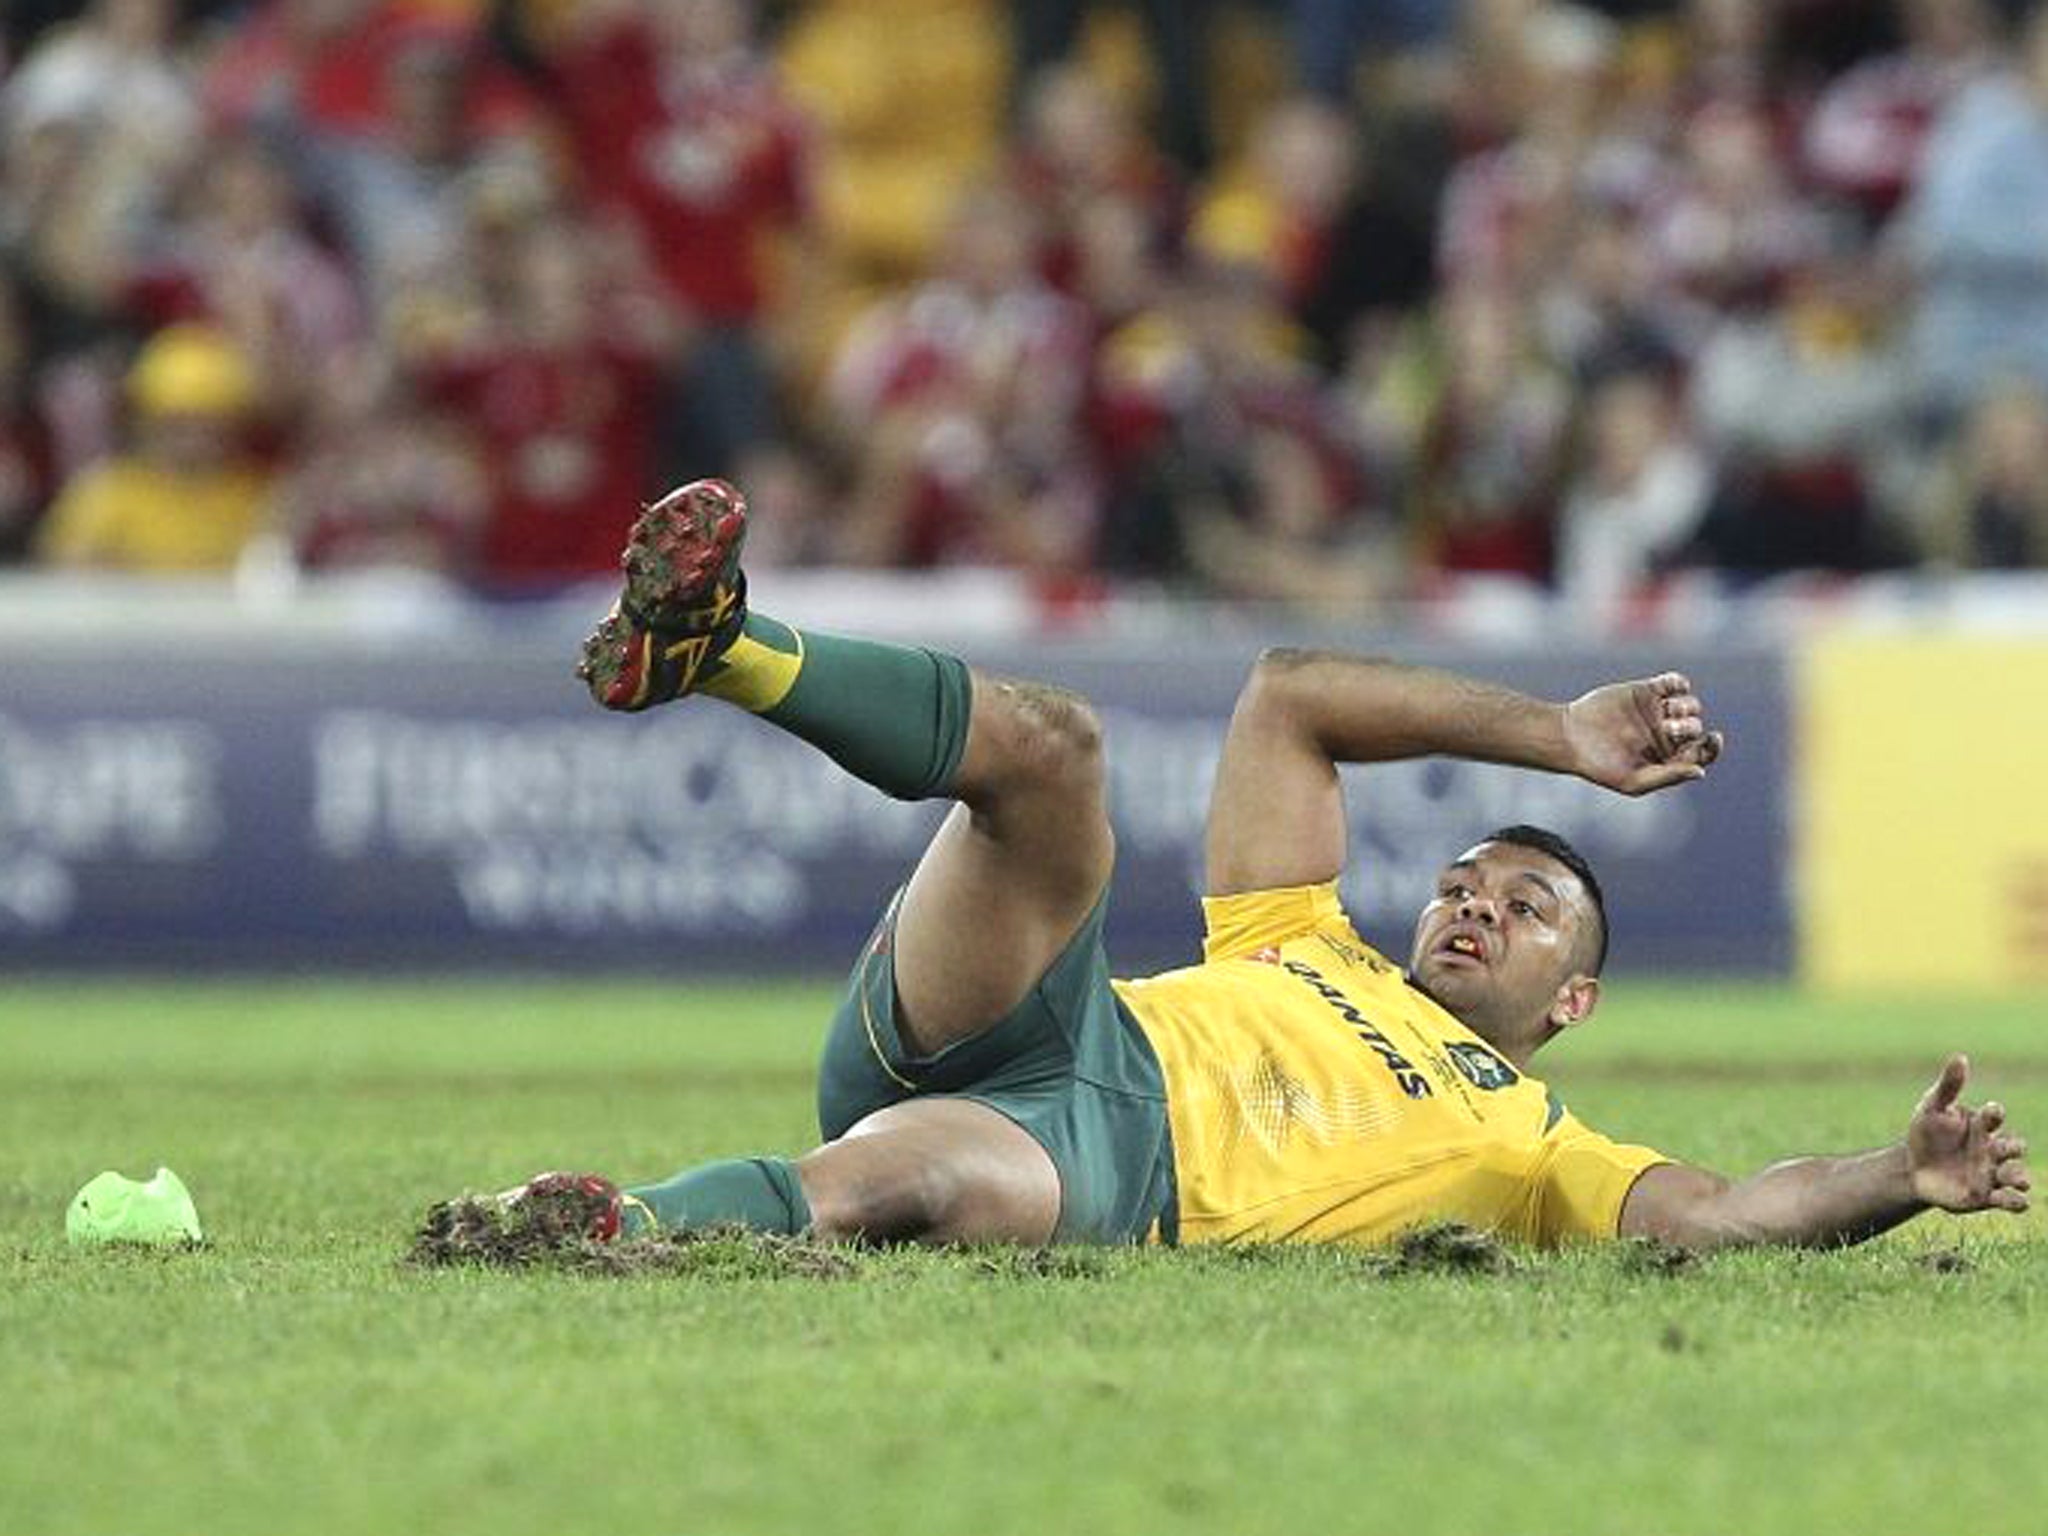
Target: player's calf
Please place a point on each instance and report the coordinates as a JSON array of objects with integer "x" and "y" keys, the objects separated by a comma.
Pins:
[{"x": 939, "y": 1170}]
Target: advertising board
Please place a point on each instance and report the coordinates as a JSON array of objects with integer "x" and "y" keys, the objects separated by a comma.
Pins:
[{"x": 288, "y": 810}]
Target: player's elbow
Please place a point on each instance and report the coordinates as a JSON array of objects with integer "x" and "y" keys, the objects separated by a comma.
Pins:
[
  {"x": 1282, "y": 669},
  {"x": 1686, "y": 1208},
  {"x": 1293, "y": 694},
  {"x": 1282, "y": 687}
]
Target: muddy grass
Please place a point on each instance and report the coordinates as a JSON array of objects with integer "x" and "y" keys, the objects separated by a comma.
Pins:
[
  {"x": 474, "y": 1230},
  {"x": 477, "y": 1231}
]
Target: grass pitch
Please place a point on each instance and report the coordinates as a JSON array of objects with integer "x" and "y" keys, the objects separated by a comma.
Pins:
[{"x": 293, "y": 1376}]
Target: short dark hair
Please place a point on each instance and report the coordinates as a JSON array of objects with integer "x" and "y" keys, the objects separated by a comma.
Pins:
[{"x": 1544, "y": 841}]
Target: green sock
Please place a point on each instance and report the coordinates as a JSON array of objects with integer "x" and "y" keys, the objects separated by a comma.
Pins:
[
  {"x": 758, "y": 1192},
  {"x": 893, "y": 715}
]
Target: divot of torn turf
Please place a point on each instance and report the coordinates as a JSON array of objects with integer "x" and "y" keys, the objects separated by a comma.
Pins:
[
  {"x": 477, "y": 1232},
  {"x": 1445, "y": 1248}
]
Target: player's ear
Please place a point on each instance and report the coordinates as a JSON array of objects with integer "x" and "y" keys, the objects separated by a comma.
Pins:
[{"x": 1575, "y": 1001}]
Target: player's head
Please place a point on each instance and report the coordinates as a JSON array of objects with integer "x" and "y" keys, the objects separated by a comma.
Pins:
[{"x": 1514, "y": 939}]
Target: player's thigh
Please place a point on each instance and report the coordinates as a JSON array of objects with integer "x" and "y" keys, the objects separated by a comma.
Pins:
[
  {"x": 934, "y": 1171},
  {"x": 1014, "y": 869},
  {"x": 974, "y": 933}
]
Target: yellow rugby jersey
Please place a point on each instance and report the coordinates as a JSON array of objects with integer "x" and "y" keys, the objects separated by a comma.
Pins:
[{"x": 1315, "y": 1096}]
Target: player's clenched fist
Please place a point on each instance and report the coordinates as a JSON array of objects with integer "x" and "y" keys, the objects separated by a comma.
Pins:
[{"x": 1639, "y": 736}]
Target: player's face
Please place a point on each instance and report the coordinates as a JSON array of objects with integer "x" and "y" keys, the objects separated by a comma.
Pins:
[{"x": 1502, "y": 934}]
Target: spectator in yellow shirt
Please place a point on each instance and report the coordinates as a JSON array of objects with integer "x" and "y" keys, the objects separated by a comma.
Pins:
[{"x": 186, "y": 495}]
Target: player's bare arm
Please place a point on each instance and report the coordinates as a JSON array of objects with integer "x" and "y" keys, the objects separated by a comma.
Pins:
[
  {"x": 1277, "y": 814},
  {"x": 1952, "y": 1158}
]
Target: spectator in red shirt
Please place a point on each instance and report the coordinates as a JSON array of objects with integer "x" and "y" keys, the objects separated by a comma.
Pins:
[
  {"x": 398, "y": 191},
  {"x": 554, "y": 381},
  {"x": 385, "y": 485},
  {"x": 678, "y": 121},
  {"x": 1078, "y": 148},
  {"x": 243, "y": 259},
  {"x": 327, "y": 62},
  {"x": 961, "y": 403}
]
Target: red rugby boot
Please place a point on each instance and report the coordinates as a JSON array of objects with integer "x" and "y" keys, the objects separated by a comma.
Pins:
[
  {"x": 566, "y": 1205},
  {"x": 684, "y": 602}
]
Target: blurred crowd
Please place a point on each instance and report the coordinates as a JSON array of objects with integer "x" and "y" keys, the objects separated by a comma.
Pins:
[{"x": 1580, "y": 296}]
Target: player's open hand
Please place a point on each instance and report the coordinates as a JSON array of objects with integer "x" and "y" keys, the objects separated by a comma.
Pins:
[
  {"x": 1640, "y": 736},
  {"x": 1961, "y": 1159}
]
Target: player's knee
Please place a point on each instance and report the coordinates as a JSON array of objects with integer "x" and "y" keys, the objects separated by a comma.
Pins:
[{"x": 1052, "y": 736}]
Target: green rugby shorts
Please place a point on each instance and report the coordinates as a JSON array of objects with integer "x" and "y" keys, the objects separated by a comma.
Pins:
[{"x": 1068, "y": 1064}]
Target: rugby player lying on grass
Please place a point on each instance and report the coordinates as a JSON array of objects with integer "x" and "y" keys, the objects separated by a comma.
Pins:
[{"x": 985, "y": 1080}]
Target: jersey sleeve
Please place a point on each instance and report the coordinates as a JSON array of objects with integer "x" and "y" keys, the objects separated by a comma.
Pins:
[
  {"x": 1252, "y": 920},
  {"x": 1583, "y": 1182}
]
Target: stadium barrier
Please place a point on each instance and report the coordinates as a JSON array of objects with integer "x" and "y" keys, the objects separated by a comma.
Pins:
[{"x": 259, "y": 795}]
